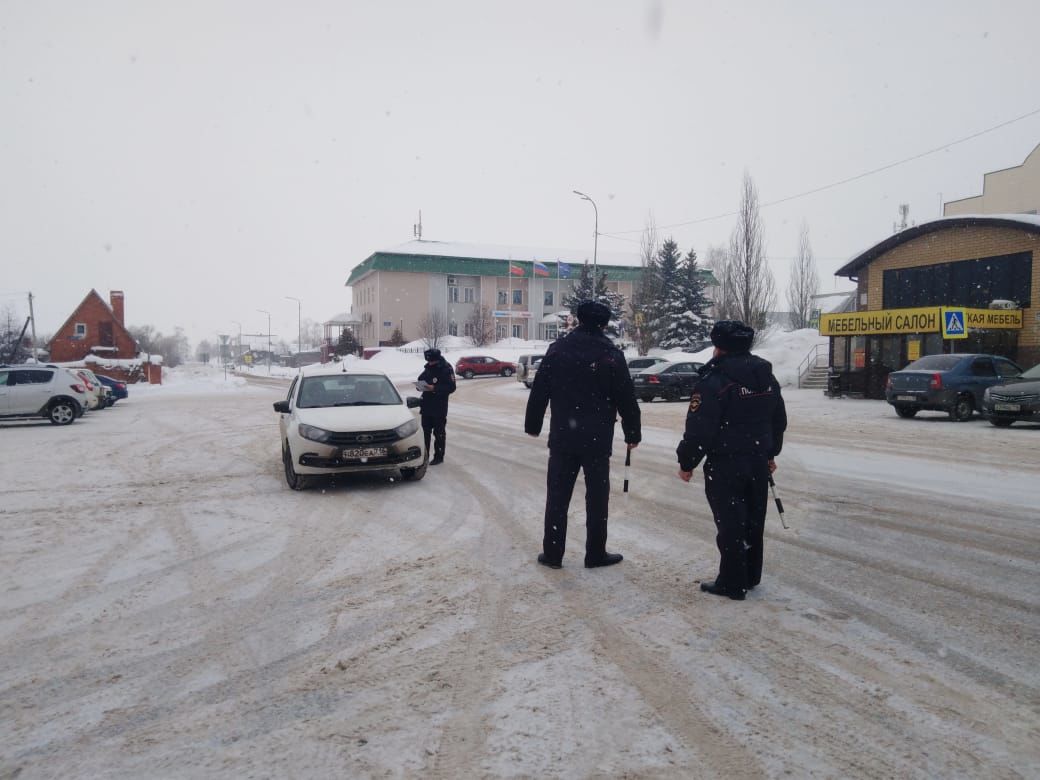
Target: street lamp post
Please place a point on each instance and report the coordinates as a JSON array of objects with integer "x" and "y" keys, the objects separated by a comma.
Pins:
[
  {"x": 595, "y": 237},
  {"x": 299, "y": 326},
  {"x": 264, "y": 311}
]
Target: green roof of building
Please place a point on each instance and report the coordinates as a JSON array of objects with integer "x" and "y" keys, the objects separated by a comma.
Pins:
[{"x": 475, "y": 266}]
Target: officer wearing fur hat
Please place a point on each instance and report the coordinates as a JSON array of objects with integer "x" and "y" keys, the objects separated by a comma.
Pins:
[
  {"x": 736, "y": 420},
  {"x": 437, "y": 381},
  {"x": 585, "y": 380}
]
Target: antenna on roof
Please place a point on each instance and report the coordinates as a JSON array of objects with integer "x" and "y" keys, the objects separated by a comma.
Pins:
[{"x": 417, "y": 228}]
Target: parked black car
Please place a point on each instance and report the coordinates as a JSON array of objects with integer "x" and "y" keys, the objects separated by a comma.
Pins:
[
  {"x": 1016, "y": 400},
  {"x": 947, "y": 383},
  {"x": 670, "y": 381}
]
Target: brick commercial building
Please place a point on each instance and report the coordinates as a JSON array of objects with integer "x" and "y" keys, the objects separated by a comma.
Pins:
[
  {"x": 94, "y": 328},
  {"x": 983, "y": 268}
]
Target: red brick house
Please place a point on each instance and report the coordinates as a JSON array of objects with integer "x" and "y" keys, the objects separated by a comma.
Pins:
[{"x": 95, "y": 327}]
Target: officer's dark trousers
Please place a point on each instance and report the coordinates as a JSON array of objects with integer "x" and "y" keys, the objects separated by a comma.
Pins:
[
  {"x": 434, "y": 425},
  {"x": 563, "y": 471},
  {"x": 738, "y": 493}
]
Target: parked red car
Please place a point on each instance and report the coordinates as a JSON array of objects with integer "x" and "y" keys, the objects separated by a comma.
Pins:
[{"x": 469, "y": 367}]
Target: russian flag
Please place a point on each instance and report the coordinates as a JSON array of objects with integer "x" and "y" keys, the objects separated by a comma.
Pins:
[
  {"x": 540, "y": 270},
  {"x": 515, "y": 270}
]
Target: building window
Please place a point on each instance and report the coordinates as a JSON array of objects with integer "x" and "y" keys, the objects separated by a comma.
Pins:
[
  {"x": 453, "y": 327},
  {"x": 548, "y": 298},
  {"x": 518, "y": 297},
  {"x": 80, "y": 331},
  {"x": 453, "y": 295},
  {"x": 550, "y": 332},
  {"x": 503, "y": 297},
  {"x": 971, "y": 283},
  {"x": 468, "y": 295},
  {"x": 500, "y": 332},
  {"x": 518, "y": 331},
  {"x": 467, "y": 329}
]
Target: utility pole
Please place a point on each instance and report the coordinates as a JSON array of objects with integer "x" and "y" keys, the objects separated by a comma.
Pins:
[
  {"x": 264, "y": 311},
  {"x": 33, "y": 318},
  {"x": 595, "y": 238}
]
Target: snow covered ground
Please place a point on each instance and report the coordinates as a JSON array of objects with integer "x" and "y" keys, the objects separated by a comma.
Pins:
[{"x": 168, "y": 608}]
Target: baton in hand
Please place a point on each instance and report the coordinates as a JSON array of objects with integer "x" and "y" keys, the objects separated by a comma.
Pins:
[
  {"x": 779, "y": 503},
  {"x": 628, "y": 465}
]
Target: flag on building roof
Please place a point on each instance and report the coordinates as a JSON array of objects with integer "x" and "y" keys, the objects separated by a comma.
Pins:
[
  {"x": 540, "y": 269},
  {"x": 565, "y": 270},
  {"x": 515, "y": 270}
]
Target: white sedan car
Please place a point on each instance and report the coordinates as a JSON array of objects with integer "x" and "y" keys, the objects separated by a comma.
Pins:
[{"x": 337, "y": 421}]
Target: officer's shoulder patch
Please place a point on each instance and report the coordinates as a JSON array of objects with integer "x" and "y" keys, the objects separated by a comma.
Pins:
[{"x": 695, "y": 402}]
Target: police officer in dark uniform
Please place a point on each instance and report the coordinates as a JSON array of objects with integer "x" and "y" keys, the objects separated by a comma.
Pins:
[
  {"x": 737, "y": 420},
  {"x": 585, "y": 380},
  {"x": 437, "y": 381}
]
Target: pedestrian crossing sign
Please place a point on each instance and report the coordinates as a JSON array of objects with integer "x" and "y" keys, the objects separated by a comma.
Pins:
[{"x": 954, "y": 324}]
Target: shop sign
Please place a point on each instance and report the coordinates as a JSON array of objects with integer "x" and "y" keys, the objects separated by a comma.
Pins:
[
  {"x": 913, "y": 349},
  {"x": 516, "y": 315},
  {"x": 929, "y": 319},
  {"x": 885, "y": 321},
  {"x": 993, "y": 319}
]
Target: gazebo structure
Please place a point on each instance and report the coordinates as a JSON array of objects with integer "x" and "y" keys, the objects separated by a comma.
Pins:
[{"x": 333, "y": 331}]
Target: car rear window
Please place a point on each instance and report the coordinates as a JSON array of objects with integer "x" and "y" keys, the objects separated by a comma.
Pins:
[{"x": 935, "y": 363}]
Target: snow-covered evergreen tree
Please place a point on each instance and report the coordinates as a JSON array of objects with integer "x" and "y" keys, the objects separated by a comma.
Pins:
[
  {"x": 657, "y": 314},
  {"x": 685, "y": 321},
  {"x": 581, "y": 290}
]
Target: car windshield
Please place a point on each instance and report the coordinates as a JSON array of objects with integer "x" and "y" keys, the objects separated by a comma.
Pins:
[
  {"x": 346, "y": 390},
  {"x": 1033, "y": 373},
  {"x": 935, "y": 363}
]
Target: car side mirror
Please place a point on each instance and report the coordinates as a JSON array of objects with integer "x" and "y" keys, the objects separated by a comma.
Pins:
[
  {"x": 281, "y": 406},
  {"x": 413, "y": 402}
]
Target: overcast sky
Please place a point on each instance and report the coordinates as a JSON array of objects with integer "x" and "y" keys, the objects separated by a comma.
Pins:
[{"x": 210, "y": 158}]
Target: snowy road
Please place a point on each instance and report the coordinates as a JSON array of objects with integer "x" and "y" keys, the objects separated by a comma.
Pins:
[{"x": 170, "y": 609}]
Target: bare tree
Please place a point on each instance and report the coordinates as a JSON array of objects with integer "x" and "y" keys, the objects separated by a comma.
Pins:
[
  {"x": 747, "y": 272},
  {"x": 433, "y": 327},
  {"x": 805, "y": 282},
  {"x": 724, "y": 295},
  {"x": 647, "y": 288},
  {"x": 480, "y": 326}
]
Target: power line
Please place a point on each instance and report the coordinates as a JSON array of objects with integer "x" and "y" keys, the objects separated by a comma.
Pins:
[{"x": 889, "y": 166}]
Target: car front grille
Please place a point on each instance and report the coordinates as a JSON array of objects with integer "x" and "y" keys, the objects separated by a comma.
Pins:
[
  {"x": 361, "y": 438},
  {"x": 1017, "y": 399}
]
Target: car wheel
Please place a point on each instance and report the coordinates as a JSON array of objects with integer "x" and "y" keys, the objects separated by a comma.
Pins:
[
  {"x": 467, "y": 374},
  {"x": 292, "y": 479},
  {"x": 61, "y": 412},
  {"x": 671, "y": 395},
  {"x": 507, "y": 372},
  {"x": 962, "y": 408},
  {"x": 1000, "y": 422},
  {"x": 906, "y": 411}
]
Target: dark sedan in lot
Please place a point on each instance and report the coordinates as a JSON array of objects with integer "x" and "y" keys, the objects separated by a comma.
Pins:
[
  {"x": 118, "y": 389},
  {"x": 670, "y": 381},
  {"x": 1017, "y": 400},
  {"x": 947, "y": 383}
]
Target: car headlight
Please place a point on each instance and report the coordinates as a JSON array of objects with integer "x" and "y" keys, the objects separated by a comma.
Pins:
[
  {"x": 313, "y": 433},
  {"x": 407, "y": 429}
]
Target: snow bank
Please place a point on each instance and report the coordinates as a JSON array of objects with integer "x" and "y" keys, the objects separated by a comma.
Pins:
[{"x": 193, "y": 379}]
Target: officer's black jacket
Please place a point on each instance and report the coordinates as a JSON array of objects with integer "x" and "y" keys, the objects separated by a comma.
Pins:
[
  {"x": 736, "y": 409},
  {"x": 434, "y": 403},
  {"x": 585, "y": 381}
]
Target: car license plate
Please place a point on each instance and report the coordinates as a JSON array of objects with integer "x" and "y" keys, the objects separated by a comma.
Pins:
[
  {"x": 905, "y": 398},
  {"x": 1008, "y": 407},
  {"x": 363, "y": 452}
]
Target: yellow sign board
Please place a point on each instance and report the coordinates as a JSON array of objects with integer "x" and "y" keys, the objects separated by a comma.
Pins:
[
  {"x": 913, "y": 349},
  {"x": 993, "y": 319},
  {"x": 885, "y": 321},
  {"x": 928, "y": 319}
]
